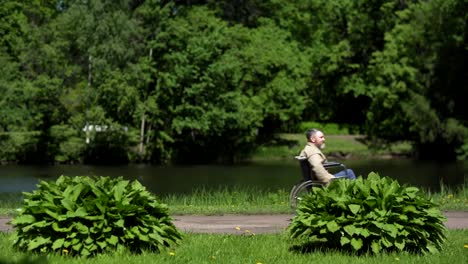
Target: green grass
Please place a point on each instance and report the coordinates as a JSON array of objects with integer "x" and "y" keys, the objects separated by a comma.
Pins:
[
  {"x": 229, "y": 201},
  {"x": 265, "y": 248},
  {"x": 451, "y": 199},
  {"x": 248, "y": 201},
  {"x": 352, "y": 146},
  {"x": 9, "y": 202},
  {"x": 329, "y": 128}
]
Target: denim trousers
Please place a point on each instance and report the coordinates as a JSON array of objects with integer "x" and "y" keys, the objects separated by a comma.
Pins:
[{"x": 348, "y": 173}]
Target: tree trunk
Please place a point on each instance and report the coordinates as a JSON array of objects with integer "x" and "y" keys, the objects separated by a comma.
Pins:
[
  {"x": 142, "y": 137},
  {"x": 90, "y": 78}
]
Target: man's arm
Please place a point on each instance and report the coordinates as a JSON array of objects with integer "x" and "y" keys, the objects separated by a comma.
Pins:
[{"x": 318, "y": 169}]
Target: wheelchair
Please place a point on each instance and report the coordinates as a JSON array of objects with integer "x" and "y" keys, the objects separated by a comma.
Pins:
[{"x": 309, "y": 181}]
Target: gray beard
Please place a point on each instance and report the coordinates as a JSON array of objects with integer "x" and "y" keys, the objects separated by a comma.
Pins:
[{"x": 322, "y": 146}]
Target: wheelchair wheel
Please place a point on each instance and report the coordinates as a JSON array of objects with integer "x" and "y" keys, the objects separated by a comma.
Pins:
[{"x": 300, "y": 190}]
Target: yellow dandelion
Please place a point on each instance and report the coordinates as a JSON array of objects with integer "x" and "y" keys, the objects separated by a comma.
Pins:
[
  {"x": 171, "y": 254},
  {"x": 247, "y": 231},
  {"x": 238, "y": 228},
  {"x": 65, "y": 251},
  {"x": 465, "y": 246},
  {"x": 259, "y": 263},
  {"x": 450, "y": 196}
]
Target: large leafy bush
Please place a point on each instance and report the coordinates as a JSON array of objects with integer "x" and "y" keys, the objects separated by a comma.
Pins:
[
  {"x": 90, "y": 215},
  {"x": 374, "y": 214}
]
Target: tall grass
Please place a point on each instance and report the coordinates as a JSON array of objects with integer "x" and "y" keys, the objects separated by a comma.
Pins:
[
  {"x": 226, "y": 200},
  {"x": 450, "y": 198},
  {"x": 267, "y": 248},
  {"x": 248, "y": 200},
  {"x": 9, "y": 202}
]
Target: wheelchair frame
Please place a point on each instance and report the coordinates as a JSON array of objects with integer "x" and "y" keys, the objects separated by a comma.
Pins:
[{"x": 309, "y": 181}]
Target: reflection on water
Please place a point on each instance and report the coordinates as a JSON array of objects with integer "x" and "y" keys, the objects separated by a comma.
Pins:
[{"x": 266, "y": 176}]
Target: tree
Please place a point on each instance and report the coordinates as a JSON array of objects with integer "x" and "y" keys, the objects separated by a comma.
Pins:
[
  {"x": 418, "y": 80},
  {"x": 220, "y": 84}
]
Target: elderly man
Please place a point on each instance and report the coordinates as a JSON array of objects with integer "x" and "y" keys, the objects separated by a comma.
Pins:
[{"x": 312, "y": 151}]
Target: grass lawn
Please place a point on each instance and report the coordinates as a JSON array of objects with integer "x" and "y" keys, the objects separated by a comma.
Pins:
[
  {"x": 352, "y": 146},
  {"x": 246, "y": 201},
  {"x": 268, "y": 248}
]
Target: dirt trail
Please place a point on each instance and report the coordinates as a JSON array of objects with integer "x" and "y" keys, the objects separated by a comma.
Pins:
[{"x": 247, "y": 224}]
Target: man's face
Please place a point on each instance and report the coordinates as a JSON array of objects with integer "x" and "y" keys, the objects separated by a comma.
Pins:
[{"x": 318, "y": 140}]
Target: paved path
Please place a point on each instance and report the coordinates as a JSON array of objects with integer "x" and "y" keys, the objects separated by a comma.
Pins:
[{"x": 246, "y": 224}]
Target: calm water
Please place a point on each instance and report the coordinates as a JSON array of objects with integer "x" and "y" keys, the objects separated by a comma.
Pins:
[{"x": 267, "y": 176}]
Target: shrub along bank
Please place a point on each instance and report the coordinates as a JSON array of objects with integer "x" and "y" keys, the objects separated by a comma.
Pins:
[
  {"x": 91, "y": 216},
  {"x": 369, "y": 215},
  {"x": 246, "y": 200},
  {"x": 86, "y": 216}
]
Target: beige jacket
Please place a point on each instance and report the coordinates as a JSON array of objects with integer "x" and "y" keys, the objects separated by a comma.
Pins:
[{"x": 316, "y": 160}]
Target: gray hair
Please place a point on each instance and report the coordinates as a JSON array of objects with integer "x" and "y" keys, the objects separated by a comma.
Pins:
[{"x": 310, "y": 132}]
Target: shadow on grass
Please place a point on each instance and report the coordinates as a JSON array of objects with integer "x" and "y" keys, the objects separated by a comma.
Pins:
[
  {"x": 319, "y": 247},
  {"x": 316, "y": 247},
  {"x": 25, "y": 260}
]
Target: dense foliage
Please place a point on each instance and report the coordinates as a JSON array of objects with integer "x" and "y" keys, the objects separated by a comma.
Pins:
[
  {"x": 104, "y": 81},
  {"x": 90, "y": 215},
  {"x": 369, "y": 215}
]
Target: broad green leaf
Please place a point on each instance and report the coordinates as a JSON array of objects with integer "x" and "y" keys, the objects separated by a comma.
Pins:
[
  {"x": 81, "y": 212},
  {"x": 119, "y": 190},
  {"x": 77, "y": 246},
  {"x": 332, "y": 226},
  {"x": 136, "y": 185},
  {"x": 23, "y": 220},
  {"x": 52, "y": 214},
  {"x": 113, "y": 240},
  {"x": 102, "y": 244},
  {"x": 35, "y": 226},
  {"x": 432, "y": 249},
  {"x": 410, "y": 209},
  {"x": 363, "y": 232},
  {"x": 38, "y": 242},
  {"x": 354, "y": 208},
  {"x": 357, "y": 243},
  {"x": 85, "y": 252},
  {"x": 68, "y": 204},
  {"x": 434, "y": 212},
  {"x": 412, "y": 192},
  {"x": 120, "y": 223},
  {"x": 81, "y": 228},
  {"x": 344, "y": 240},
  {"x": 350, "y": 229},
  {"x": 91, "y": 247},
  {"x": 89, "y": 241},
  {"x": 376, "y": 248},
  {"x": 58, "y": 243},
  {"x": 400, "y": 243},
  {"x": 57, "y": 228},
  {"x": 145, "y": 238}
]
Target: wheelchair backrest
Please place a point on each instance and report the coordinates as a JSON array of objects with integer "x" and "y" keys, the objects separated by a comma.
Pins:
[{"x": 305, "y": 168}]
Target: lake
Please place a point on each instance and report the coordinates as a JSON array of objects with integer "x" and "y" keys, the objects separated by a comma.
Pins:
[{"x": 266, "y": 175}]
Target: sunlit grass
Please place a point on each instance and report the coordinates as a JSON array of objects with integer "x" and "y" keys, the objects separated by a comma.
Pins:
[
  {"x": 264, "y": 248},
  {"x": 289, "y": 145},
  {"x": 451, "y": 198},
  {"x": 9, "y": 202},
  {"x": 246, "y": 200},
  {"x": 229, "y": 201}
]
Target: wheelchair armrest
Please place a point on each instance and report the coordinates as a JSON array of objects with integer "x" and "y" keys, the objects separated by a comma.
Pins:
[
  {"x": 328, "y": 164},
  {"x": 332, "y": 164},
  {"x": 299, "y": 158}
]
